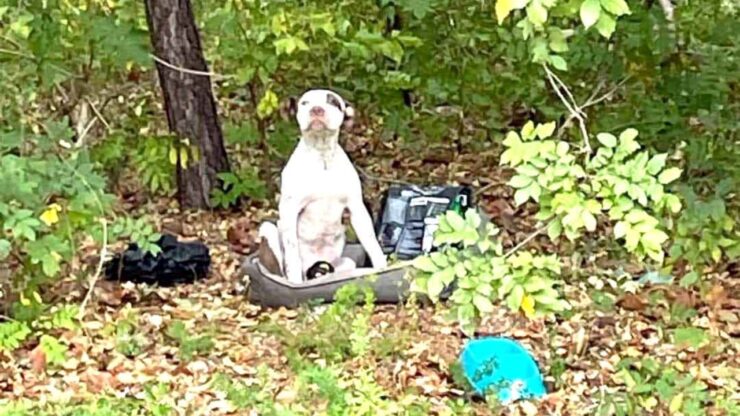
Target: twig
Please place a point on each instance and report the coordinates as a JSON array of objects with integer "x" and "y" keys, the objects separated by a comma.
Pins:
[
  {"x": 93, "y": 280},
  {"x": 484, "y": 188},
  {"x": 98, "y": 114},
  {"x": 526, "y": 240},
  {"x": 16, "y": 53},
  {"x": 190, "y": 71},
  {"x": 574, "y": 113},
  {"x": 7, "y": 318},
  {"x": 81, "y": 140},
  {"x": 592, "y": 100}
]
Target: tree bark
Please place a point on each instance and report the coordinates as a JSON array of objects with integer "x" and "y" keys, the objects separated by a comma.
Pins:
[{"x": 188, "y": 98}]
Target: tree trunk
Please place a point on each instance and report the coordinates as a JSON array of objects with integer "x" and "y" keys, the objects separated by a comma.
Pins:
[{"x": 188, "y": 99}]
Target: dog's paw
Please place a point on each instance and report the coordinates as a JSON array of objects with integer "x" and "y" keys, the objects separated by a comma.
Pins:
[{"x": 380, "y": 262}]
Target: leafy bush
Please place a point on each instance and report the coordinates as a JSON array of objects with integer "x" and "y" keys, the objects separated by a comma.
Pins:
[
  {"x": 652, "y": 386},
  {"x": 626, "y": 186},
  {"x": 472, "y": 260},
  {"x": 705, "y": 233}
]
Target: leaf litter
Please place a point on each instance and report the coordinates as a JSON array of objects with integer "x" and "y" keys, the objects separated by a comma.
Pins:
[{"x": 580, "y": 353}]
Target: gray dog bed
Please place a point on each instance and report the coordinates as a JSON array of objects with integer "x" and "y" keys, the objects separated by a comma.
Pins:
[{"x": 271, "y": 290}]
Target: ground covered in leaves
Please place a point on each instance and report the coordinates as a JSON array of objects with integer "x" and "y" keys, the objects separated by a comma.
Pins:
[{"x": 203, "y": 349}]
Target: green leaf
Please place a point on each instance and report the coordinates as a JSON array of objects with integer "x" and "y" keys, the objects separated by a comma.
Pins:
[
  {"x": 558, "y": 62},
  {"x": 514, "y": 299},
  {"x": 669, "y": 175},
  {"x": 656, "y": 163},
  {"x": 607, "y": 139},
  {"x": 528, "y": 170},
  {"x": 616, "y": 7},
  {"x": 536, "y": 13},
  {"x": 505, "y": 7},
  {"x": 689, "y": 279},
  {"x": 528, "y": 132},
  {"x": 521, "y": 196},
  {"x": 483, "y": 303},
  {"x": 620, "y": 229},
  {"x": 654, "y": 239},
  {"x": 589, "y": 221},
  {"x": 691, "y": 337},
  {"x": 606, "y": 25},
  {"x": 546, "y": 130},
  {"x": 558, "y": 43},
  {"x": 554, "y": 230},
  {"x": 425, "y": 264},
  {"x": 628, "y": 135},
  {"x": 632, "y": 238},
  {"x": 590, "y": 11},
  {"x": 446, "y": 276},
  {"x": 435, "y": 286},
  {"x": 455, "y": 220},
  {"x": 519, "y": 181},
  {"x": 5, "y": 247}
]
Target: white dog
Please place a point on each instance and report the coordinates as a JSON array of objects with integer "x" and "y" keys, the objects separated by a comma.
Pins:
[{"x": 318, "y": 183}]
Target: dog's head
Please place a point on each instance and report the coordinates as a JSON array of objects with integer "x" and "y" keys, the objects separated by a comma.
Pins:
[{"x": 322, "y": 111}]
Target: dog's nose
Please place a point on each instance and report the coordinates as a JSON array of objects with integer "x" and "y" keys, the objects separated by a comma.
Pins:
[{"x": 317, "y": 111}]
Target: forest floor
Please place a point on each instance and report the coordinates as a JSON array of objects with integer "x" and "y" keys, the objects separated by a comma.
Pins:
[{"x": 625, "y": 346}]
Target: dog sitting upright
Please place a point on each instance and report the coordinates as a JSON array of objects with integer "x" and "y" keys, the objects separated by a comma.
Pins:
[{"x": 318, "y": 183}]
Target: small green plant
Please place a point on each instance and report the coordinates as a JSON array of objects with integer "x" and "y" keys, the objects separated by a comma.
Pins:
[
  {"x": 43, "y": 320},
  {"x": 655, "y": 388},
  {"x": 189, "y": 345},
  {"x": 705, "y": 232},
  {"x": 255, "y": 397},
  {"x": 129, "y": 341},
  {"x": 246, "y": 184},
  {"x": 338, "y": 333},
  {"x": 574, "y": 192},
  {"x": 158, "y": 399},
  {"x": 139, "y": 231},
  {"x": 13, "y": 334},
  {"x": 152, "y": 160},
  {"x": 470, "y": 256}
]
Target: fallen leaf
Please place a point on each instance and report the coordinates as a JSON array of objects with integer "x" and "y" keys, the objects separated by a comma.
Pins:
[{"x": 38, "y": 359}]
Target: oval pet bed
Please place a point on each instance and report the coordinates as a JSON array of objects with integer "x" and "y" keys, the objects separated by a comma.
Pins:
[{"x": 268, "y": 289}]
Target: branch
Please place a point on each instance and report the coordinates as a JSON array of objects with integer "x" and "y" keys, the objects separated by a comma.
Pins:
[
  {"x": 592, "y": 100},
  {"x": 526, "y": 240},
  {"x": 571, "y": 106},
  {"x": 97, "y": 113},
  {"x": 189, "y": 71},
  {"x": 92, "y": 281}
]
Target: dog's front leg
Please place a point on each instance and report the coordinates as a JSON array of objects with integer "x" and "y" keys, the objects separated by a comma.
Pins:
[
  {"x": 362, "y": 223},
  {"x": 289, "y": 209}
]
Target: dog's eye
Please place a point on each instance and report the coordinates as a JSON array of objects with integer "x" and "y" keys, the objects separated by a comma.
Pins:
[
  {"x": 304, "y": 102},
  {"x": 332, "y": 100}
]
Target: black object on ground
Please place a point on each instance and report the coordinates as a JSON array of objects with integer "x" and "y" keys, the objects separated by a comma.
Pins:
[
  {"x": 408, "y": 217},
  {"x": 178, "y": 262}
]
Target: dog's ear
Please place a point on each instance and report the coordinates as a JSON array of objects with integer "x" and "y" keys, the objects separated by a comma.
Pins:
[
  {"x": 349, "y": 117},
  {"x": 288, "y": 108}
]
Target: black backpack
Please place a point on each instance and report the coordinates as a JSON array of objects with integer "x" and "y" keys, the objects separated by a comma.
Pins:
[{"x": 408, "y": 216}]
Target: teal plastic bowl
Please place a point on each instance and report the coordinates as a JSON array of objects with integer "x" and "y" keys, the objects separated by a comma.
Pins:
[{"x": 503, "y": 365}]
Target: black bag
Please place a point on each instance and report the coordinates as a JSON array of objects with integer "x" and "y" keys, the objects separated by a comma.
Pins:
[
  {"x": 178, "y": 262},
  {"x": 408, "y": 216}
]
